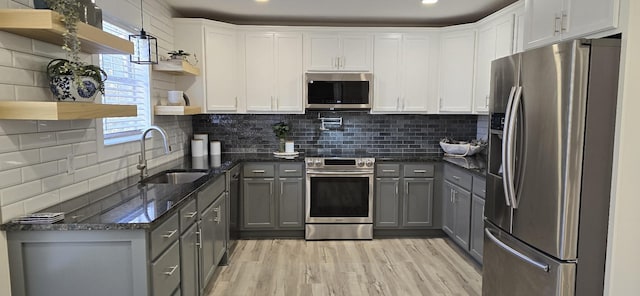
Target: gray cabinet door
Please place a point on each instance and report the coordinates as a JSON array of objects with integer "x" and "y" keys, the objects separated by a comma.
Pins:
[
  {"x": 219, "y": 228},
  {"x": 291, "y": 203},
  {"x": 417, "y": 202},
  {"x": 462, "y": 216},
  {"x": 189, "y": 261},
  {"x": 477, "y": 227},
  {"x": 387, "y": 202},
  {"x": 207, "y": 233},
  {"x": 447, "y": 208},
  {"x": 258, "y": 204}
]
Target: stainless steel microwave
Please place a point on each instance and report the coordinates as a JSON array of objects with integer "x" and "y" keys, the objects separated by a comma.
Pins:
[{"x": 335, "y": 91}]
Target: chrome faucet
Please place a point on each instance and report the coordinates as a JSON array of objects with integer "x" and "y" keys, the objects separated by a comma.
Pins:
[{"x": 142, "y": 160}]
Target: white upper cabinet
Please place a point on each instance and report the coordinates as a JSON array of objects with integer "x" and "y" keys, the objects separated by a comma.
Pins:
[
  {"x": 457, "y": 49},
  {"x": 215, "y": 45},
  {"x": 401, "y": 73},
  {"x": 495, "y": 40},
  {"x": 549, "y": 21},
  {"x": 273, "y": 72},
  {"x": 338, "y": 52}
]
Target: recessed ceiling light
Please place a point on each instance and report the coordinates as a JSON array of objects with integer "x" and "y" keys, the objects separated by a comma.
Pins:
[
  {"x": 429, "y": 1},
  {"x": 268, "y": 0}
]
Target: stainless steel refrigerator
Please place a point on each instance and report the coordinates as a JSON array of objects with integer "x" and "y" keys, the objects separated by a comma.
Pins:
[{"x": 552, "y": 121}]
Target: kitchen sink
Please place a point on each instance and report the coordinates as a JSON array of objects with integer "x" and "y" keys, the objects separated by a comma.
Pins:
[{"x": 173, "y": 177}]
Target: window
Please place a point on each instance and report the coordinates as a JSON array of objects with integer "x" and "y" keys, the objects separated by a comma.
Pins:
[{"x": 127, "y": 84}]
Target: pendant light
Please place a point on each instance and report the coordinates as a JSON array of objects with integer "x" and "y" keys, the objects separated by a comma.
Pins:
[{"x": 145, "y": 46}]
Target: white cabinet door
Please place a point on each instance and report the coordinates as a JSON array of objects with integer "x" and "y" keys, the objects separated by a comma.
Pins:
[
  {"x": 486, "y": 54},
  {"x": 386, "y": 76},
  {"x": 415, "y": 74},
  {"x": 543, "y": 22},
  {"x": 504, "y": 36},
  {"x": 590, "y": 16},
  {"x": 220, "y": 69},
  {"x": 323, "y": 52},
  {"x": 339, "y": 52},
  {"x": 518, "y": 38},
  {"x": 456, "y": 71},
  {"x": 260, "y": 65},
  {"x": 355, "y": 53},
  {"x": 288, "y": 48}
]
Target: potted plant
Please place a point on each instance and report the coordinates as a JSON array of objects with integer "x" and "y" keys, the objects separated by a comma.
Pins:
[
  {"x": 64, "y": 83},
  {"x": 178, "y": 55},
  {"x": 281, "y": 129},
  {"x": 71, "y": 79}
]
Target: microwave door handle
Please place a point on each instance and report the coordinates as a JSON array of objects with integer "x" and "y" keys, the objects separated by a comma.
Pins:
[
  {"x": 505, "y": 148},
  {"x": 523, "y": 257},
  {"x": 512, "y": 134}
]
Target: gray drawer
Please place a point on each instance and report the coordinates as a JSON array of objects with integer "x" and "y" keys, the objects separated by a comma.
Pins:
[
  {"x": 188, "y": 215},
  {"x": 207, "y": 195},
  {"x": 258, "y": 170},
  {"x": 164, "y": 235},
  {"x": 479, "y": 186},
  {"x": 290, "y": 170},
  {"x": 457, "y": 176},
  {"x": 387, "y": 170},
  {"x": 419, "y": 170},
  {"x": 165, "y": 272}
]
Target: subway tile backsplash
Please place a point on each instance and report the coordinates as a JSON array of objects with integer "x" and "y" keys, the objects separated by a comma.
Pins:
[{"x": 361, "y": 132}]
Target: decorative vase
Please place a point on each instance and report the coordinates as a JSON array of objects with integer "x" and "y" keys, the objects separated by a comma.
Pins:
[
  {"x": 64, "y": 89},
  {"x": 281, "y": 145}
]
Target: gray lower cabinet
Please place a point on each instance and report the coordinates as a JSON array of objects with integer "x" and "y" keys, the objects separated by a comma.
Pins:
[
  {"x": 477, "y": 227},
  {"x": 463, "y": 209},
  {"x": 189, "y": 245},
  {"x": 273, "y": 196},
  {"x": 165, "y": 271},
  {"x": 404, "y": 196}
]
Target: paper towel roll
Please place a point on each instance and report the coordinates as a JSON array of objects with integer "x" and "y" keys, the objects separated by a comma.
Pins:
[
  {"x": 289, "y": 147},
  {"x": 205, "y": 142},
  {"x": 215, "y": 148},
  {"x": 196, "y": 148}
]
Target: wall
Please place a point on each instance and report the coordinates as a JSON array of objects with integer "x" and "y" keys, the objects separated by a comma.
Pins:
[
  {"x": 33, "y": 165},
  {"x": 622, "y": 255},
  {"x": 361, "y": 132}
]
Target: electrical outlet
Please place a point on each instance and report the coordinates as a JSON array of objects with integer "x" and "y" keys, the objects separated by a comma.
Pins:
[{"x": 70, "y": 167}]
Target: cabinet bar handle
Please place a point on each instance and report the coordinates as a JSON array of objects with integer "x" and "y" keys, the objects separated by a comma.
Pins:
[
  {"x": 557, "y": 26},
  {"x": 343, "y": 62},
  {"x": 396, "y": 189},
  {"x": 199, "y": 239},
  {"x": 420, "y": 171},
  {"x": 258, "y": 171},
  {"x": 563, "y": 21},
  {"x": 190, "y": 215},
  {"x": 170, "y": 233},
  {"x": 173, "y": 269},
  {"x": 388, "y": 171},
  {"x": 456, "y": 178},
  {"x": 290, "y": 171},
  {"x": 217, "y": 211}
]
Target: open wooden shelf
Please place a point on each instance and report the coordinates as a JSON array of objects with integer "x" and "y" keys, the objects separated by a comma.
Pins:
[
  {"x": 63, "y": 110},
  {"x": 45, "y": 25},
  {"x": 177, "y": 110},
  {"x": 176, "y": 68}
]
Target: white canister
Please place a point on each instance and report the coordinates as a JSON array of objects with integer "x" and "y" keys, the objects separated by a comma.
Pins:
[
  {"x": 216, "y": 161},
  {"x": 196, "y": 148},
  {"x": 174, "y": 97},
  {"x": 215, "y": 148},
  {"x": 199, "y": 163},
  {"x": 289, "y": 147},
  {"x": 205, "y": 142}
]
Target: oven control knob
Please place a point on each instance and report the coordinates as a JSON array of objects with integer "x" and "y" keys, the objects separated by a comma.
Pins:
[
  {"x": 310, "y": 162},
  {"x": 369, "y": 163},
  {"x": 318, "y": 162},
  {"x": 360, "y": 163}
]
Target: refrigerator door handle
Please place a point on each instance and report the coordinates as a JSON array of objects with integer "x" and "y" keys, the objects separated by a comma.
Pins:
[
  {"x": 511, "y": 146},
  {"x": 514, "y": 252},
  {"x": 505, "y": 147}
]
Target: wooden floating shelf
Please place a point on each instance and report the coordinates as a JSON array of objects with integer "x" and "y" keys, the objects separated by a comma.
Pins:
[
  {"x": 63, "y": 110},
  {"x": 177, "y": 110},
  {"x": 183, "y": 68},
  {"x": 45, "y": 25}
]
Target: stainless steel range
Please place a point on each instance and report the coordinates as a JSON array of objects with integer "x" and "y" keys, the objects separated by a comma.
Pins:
[{"x": 339, "y": 198}]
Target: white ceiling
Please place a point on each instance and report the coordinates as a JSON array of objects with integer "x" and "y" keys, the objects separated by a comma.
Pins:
[{"x": 340, "y": 12}]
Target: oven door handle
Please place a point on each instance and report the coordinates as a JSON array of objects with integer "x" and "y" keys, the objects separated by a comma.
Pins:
[{"x": 364, "y": 174}]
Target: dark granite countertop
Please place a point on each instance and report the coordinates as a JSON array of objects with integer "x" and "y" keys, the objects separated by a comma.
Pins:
[{"x": 127, "y": 204}]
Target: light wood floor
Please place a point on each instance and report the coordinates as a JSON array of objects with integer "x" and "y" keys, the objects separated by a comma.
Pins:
[{"x": 402, "y": 267}]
